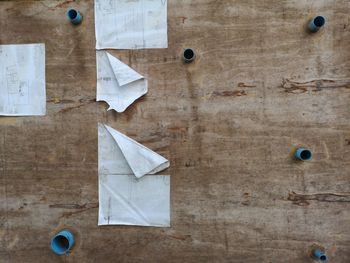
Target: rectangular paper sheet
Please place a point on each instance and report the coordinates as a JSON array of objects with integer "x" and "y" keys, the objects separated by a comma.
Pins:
[
  {"x": 22, "y": 80},
  {"x": 136, "y": 24},
  {"x": 128, "y": 194},
  {"x": 127, "y": 200}
]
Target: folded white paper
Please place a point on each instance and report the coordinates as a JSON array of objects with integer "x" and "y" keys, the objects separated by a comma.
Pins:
[
  {"x": 126, "y": 24},
  {"x": 124, "y": 197},
  {"x": 117, "y": 83},
  {"x": 119, "y": 154},
  {"x": 22, "y": 80},
  {"x": 126, "y": 200}
]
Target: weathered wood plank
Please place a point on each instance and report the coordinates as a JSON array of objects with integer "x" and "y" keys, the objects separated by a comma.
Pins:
[{"x": 229, "y": 123}]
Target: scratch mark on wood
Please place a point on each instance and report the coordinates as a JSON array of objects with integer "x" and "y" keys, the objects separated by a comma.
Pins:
[
  {"x": 74, "y": 206},
  {"x": 79, "y": 208},
  {"x": 64, "y": 3},
  {"x": 226, "y": 241},
  {"x": 178, "y": 129},
  {"x": 303, "y": 199},
  {"x": 59, "y": 5},
  {"x": 180, "y": 237},
  {"x": 228, "y": 93},
  {"x": 243, "y": 85},
  {"x": 56, "y": 100},
  {"x": 183, "y": 18},
  {"x": 70, "y": 51},
  {"x": 82, "y": 103},
  {"x": 247, "y": 199},
  {"x": 295, "y": 87},
  {"x": 326, "y": 149}
]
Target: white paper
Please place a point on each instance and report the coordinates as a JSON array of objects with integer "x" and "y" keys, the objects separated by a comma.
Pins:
[
  {"x": 117, "y": 83},
  {"x": 119, "y": 154},
  {"x": 131, "y": 24},
  {"x": 128, "y": 194},
  {"x": 22, "y": 80},
  {"x": 126, "y": 200}
]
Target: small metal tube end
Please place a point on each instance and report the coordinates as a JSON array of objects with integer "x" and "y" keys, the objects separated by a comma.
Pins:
[
  {"x": 303, "y": 154},
  {"x": 74, "y": 16},
  {"x": 188, "y": 55},
  {"x": 62, "y": 242},
  {"x": 316, "y": 23},
  {"x": 317, "y": 253}
]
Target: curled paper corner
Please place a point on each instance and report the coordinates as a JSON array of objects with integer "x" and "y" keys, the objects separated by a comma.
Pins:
[
  {"x": 118, "y": 84},
  {"x": 141, "y": 159},
  {"x": 123, "y": 73},
  {"x": 124, "y": 152}
]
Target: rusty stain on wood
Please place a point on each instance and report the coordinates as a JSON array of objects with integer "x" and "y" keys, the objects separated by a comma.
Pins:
[
  {"x": 83, "y": 102},
  {"x": 229, "y": 93},
  {"x": 303, "y": 199},
  {"x": 65, "y": 3},
  {"x": 183, "y": 18},
  {"x": 243, "y": 85},
  {"x": 78, "y": 210},
  {"x": 314, "y": 85},
  {"x": 74, "y": 206},
  {"x": 180, "y": 237},
  {"x": 58, "y": 101}
]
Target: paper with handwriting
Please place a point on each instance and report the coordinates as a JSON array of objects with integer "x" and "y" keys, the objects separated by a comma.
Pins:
[
  {"x": 126, "y": 24},
  {"x": 128, "y": 192},
  {"x": 22, "y": 80}
]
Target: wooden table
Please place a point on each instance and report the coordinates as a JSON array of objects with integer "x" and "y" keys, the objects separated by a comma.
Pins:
[{"x": 229, "y": 123}]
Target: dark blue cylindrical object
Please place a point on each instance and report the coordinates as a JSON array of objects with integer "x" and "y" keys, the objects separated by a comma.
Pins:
[
  {"x": 74, "y": 16},
  {"x": 188, "y": 55},
  {"x": 319, "y": 255},
  {"x": 303, "y": 154},
  {"x": 62, "y": 242},
  {"x": 316, "y": 23}
]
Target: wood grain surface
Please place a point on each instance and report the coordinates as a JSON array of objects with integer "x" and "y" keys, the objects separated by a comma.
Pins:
[{"x": 260, "y": 87}]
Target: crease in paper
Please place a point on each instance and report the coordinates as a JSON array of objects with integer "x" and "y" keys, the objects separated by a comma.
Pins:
[
  {"x": 125, "y": 24},
  {"x": 126, "y": 200},
  {"x": 132, "y": 210},
  {"x": 122, "y": 72},
  {"x": 119, "y": 154},
  {"x": 128, "y": 194},
  {"x": 117, "y": 83},
  {"x": 22, "y": 80}
]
